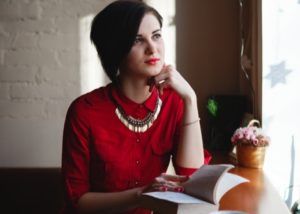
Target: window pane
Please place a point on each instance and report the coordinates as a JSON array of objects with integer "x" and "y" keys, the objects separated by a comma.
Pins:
[{"x": 281, "y": 99}]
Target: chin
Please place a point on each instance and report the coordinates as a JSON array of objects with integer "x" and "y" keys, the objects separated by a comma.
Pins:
[{"x": 154, "y": 70}]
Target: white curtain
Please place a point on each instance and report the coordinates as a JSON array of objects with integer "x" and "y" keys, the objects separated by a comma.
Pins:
[{"x": 280, "y": 94}]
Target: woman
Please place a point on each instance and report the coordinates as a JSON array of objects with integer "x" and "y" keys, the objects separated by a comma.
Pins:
[{"x": 118, "y": 139}]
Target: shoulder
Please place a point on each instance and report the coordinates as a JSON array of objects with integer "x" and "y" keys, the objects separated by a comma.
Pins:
[{"x": 89, "y": 101}]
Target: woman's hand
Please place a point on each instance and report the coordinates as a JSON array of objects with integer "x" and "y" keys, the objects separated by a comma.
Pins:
[
  {"x": 162, "y": 183},
  {"x": 170, "y": 77},
  {"x": 166, "y": 182}
]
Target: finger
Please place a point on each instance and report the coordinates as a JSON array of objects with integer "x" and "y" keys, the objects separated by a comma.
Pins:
[
  {"x": 178, "y": 189},
  {"x": 176, "y": 178},
  {"x": 160, "y": 180},
  {"x": 153, "y": 187},
  {"x": 161, "y": 77},
  {"x": 163, "y": 188},
  {"x": 174, "y": 188},
  {"x": 164, "y": 66},
  {"x": 163, "y": 181},
  {"x": 162, "y": 86},
  {"x": 167, "y": 187},
  {"x": 164, "y": 185},
  {"x": 168, "y": 68},
  {"x": 158, "y": 187}
]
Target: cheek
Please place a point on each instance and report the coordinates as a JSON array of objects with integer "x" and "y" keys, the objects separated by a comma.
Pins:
[
  {"x": 132, "y": 58},
  {"x": 137, "y": 50},
  {"x": 162, "y": 49},
  {"x": 162, "y": 56}
]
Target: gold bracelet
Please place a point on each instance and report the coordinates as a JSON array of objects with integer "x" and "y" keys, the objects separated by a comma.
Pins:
[{"x": 190, "y": 123}]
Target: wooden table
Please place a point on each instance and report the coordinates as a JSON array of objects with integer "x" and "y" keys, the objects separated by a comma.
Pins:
[{"x": 255, "y": 197}]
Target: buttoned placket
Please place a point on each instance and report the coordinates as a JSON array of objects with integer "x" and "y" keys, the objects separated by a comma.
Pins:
[
  {"x": 137, "y": 160},
  {"x": 139, "y": 111}
]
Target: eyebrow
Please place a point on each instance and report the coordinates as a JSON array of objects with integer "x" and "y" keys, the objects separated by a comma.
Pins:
[{"x": 139, "y": 35}]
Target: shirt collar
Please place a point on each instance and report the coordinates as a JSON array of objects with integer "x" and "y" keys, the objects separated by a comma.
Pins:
[{"x": 129, "y": 105}]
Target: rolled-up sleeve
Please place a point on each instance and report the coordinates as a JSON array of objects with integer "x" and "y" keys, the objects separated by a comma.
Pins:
[
  {"x": 75, "y": 156},
  {"x": 188, "y": 171}
]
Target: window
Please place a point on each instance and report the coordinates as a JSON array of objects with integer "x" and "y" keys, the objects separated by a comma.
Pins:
[{"x": 280, "y": 94}]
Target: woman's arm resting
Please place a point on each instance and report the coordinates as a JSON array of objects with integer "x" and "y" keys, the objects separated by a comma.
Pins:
[
  {"x": 190, "y": 148},
  {"x": 115, "y": 202}
]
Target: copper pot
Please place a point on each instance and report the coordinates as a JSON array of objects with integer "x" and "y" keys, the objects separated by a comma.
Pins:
[{"x": 250, "y": 156}]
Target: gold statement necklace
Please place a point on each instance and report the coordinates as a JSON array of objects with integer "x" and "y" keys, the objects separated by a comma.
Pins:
[{"x": 138, "y": 125}]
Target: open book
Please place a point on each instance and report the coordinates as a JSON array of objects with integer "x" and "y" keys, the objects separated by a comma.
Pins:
[{"x": 204, "y": 189}]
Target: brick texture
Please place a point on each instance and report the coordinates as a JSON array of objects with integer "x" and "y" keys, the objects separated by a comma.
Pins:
[{"x": 40, "y": 74}]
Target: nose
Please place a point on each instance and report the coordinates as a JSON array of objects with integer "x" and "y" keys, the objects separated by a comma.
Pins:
[{"x": 150, "y": 49}]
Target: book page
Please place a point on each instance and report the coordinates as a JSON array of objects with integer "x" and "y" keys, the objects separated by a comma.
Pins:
[
  {"x": 175, "y": 197},
  {"x": 227, "y": 182},
  {"x": 207, "y": 185},
  {"x": 203, "y": 183}
]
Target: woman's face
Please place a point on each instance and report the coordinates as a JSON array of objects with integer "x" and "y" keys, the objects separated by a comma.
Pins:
[{"x": 146, "y": 57}]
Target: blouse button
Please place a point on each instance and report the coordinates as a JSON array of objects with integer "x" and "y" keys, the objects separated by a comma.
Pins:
[
  {"x": 137, "y": 140},
  {"x": 136, "y": 182},
  {"x": 137, "y": 162}
]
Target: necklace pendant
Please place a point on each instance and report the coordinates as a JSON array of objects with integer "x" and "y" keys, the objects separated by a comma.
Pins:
[{"x": 139, "y": 125}]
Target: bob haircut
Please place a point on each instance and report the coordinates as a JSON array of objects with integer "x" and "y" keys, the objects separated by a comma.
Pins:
[{"x": 114, "y": 30}]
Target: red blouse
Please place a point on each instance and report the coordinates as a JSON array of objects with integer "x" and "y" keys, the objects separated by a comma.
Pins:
[{"x": 100, "y": 154}]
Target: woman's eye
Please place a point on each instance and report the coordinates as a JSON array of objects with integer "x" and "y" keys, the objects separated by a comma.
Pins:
[
  {"x": 138, "y": 40},
  {"x": 157, "y": 36}
]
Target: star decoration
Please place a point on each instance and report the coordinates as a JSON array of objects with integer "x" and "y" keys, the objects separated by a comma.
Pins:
[
  {"x": 278, "y": 74},
  {"x": 280, "y": 10}
]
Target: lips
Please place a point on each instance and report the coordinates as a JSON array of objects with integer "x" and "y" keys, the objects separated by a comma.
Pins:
[{"x": 152, "y": 61}]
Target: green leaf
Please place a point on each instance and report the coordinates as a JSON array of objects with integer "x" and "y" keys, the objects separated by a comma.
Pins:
[{"x": 212, "y": 107}]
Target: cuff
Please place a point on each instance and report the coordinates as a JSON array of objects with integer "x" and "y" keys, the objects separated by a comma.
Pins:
[{"x": 188, "y": 171}]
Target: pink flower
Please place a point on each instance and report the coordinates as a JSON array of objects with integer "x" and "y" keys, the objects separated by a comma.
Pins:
[{"x": 250, "y": 135}]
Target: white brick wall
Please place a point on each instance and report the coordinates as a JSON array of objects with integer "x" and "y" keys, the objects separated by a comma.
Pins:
[{"x": 39, "y": 76}]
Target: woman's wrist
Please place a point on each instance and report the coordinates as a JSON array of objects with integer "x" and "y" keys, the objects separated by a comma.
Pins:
[
  {"x": 139, "y": 191},
  {"x": 191, "y": 122},
  {"x": 190, "y": 98}
]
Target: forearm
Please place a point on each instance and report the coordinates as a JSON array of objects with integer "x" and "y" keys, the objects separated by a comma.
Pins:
[
  {"x": 116, "y": 202},
  {"x": 190, "y": 149}
]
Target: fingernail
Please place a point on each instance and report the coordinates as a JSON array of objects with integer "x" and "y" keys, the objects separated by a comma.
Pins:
[
  {"x": 163, "y": 188},
  {"x": 179, "y": 189}
]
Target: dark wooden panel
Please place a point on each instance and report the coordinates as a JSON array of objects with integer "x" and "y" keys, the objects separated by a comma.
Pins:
[{"x": 30, "y": 190}]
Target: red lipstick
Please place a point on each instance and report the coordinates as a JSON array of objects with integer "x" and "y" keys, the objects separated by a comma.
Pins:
[{"x": 152, "y": 61}]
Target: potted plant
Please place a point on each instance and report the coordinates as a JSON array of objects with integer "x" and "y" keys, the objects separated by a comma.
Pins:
[{"x": 251, "y": 143}]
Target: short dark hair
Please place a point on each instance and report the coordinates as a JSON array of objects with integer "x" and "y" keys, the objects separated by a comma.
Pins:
[{"x": 114, "y": 29}]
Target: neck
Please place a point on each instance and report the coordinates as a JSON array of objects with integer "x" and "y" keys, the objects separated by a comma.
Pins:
[{"x": 135, "y": 89}]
